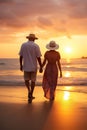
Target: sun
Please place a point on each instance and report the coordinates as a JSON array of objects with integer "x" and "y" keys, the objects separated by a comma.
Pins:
[{"x": 68, "y": 50}]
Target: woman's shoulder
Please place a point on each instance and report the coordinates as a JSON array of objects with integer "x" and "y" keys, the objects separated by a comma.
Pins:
[
  {"x": 46, "y": 52},
  {"x": 57, "y": 52}
]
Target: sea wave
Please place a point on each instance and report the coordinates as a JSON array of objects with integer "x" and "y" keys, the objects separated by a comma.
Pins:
[
  {"x": 79, "y": 90},
  {"x": 74, "y": 88},
  {"x": 21, "y": 83},
  {"x": 81, "y": 69}
]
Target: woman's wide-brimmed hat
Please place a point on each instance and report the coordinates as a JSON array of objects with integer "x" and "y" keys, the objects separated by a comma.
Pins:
[
  {"x": 31, "y": 36},
  {"x": 52, "y": 45}
]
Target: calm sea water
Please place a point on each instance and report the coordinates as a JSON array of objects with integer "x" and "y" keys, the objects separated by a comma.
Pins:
[{"x": 74, "y": 73}]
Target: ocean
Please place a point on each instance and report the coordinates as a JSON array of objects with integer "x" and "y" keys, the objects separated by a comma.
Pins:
[{"x": 74, "y": 73}]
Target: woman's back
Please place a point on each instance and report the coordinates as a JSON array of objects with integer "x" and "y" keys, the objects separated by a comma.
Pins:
[{"x": 52, "y": 56}]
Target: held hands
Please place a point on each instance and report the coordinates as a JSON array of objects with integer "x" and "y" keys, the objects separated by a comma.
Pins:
[{"x": 41, "y": 68}]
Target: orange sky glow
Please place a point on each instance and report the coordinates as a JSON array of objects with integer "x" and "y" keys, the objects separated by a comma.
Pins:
[{"x": 64, "y": 21}]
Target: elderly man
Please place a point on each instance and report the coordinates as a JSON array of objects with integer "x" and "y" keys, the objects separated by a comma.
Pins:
[{"x": 29, "y": 55}]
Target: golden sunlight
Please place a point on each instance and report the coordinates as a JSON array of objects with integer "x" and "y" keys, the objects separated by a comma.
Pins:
[
  {"x": 67, "y": 74},
  {"x": 66, "y": 95},
  {"x": 68, "y": 50}
]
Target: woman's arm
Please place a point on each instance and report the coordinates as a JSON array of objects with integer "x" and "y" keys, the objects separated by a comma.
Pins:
[
  {"x": 44, "y": 62},
  {"x": 59, "y": 65}
]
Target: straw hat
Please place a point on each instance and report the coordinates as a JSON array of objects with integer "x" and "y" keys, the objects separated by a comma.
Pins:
[
  {"x": 31, "y": 36},
  {"x": 52, "y": 45}
]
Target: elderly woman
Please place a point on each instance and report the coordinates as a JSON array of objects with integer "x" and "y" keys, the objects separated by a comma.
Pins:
[{"x": 50, "y": 76}]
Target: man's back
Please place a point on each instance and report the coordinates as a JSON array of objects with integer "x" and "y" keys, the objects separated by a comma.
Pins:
[{"x": 30, "y": 51}]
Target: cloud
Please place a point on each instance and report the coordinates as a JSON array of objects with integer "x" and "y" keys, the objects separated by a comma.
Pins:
[
  {"x": 77, "y": 8},
  {"x": 60, "y": 16},
  {"x": 6, "y": 2},
  {"x": 44, "y": 22}
]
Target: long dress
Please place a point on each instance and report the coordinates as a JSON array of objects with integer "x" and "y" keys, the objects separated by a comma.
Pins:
[{"x": 50, "y": 75}]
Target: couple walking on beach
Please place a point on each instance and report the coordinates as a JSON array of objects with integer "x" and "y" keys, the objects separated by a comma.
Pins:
[{"x": 29, "y": 55}]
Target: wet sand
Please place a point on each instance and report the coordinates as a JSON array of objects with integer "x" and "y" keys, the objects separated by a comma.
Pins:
[{"x": 67, "y": 112}]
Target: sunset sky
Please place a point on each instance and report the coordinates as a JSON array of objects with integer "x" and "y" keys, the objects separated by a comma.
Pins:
[{"x": 64, "y": 21}]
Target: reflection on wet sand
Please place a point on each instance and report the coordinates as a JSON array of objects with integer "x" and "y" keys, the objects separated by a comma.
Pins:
[{"x": 66, "y": 112}]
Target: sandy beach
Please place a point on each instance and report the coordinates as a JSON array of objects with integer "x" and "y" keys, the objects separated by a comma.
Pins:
[{"x": 67, "y": 112}]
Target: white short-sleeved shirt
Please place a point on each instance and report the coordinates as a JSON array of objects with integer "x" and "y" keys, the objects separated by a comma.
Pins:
[{"x": 30, "y": 51}]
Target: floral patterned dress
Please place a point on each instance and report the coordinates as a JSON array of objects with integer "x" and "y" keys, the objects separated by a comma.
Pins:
[{"x": 50, "y": 74}]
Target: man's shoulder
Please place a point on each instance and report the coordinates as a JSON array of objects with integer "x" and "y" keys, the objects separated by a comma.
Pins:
[
  {"x": 31, "y": 44},
  {"x": 35, "y": 45},
  {"x": 24, "y": 44}
]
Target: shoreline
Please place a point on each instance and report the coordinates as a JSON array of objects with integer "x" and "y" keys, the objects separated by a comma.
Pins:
[
  {"x": 67, "y": 112},
  {"x": 15, "y": 83},
  {"x": 19, "y": 93}
]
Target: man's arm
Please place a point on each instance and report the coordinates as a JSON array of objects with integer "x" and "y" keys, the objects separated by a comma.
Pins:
[
  {"x": 40, "y": 64},
  {"x": 39, "y": 61},
  {"x": 20, "y": 60}
]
